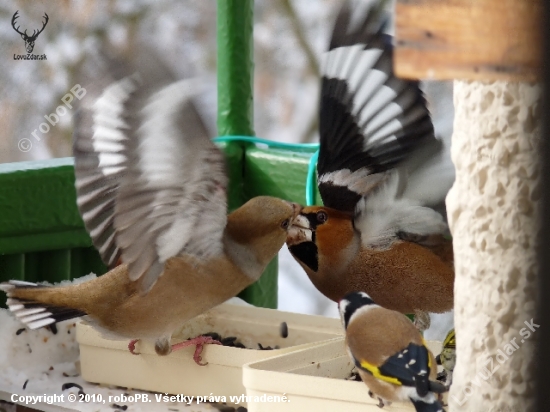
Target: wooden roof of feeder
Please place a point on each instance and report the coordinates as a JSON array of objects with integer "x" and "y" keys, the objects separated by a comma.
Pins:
[{"x": 469, "y": 39}]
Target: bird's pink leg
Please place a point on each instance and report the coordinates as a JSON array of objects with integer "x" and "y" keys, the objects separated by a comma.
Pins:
[
  {"x": 199, "y": 341},
  {"x": 132, "y": 346}
]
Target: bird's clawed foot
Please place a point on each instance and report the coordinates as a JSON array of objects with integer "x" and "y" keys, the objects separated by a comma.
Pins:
[
  {"x": 381, "y": 402},
  {"x": 132, "y": 346},
  {"x": 199, "y": 341}
]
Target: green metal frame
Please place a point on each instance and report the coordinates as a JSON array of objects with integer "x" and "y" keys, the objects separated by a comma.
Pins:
[
  {"x": 42, "y": 237},
  {"x": 235, "y": 68}
]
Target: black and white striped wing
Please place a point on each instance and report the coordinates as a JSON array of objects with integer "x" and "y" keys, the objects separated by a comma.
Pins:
[
  {"x": 164, "y": 190},
  {"x": 370, "y": 120},
  {"x": 100, "y": 155}
]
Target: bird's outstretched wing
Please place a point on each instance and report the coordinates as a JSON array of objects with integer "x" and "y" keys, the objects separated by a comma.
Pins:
[
  {"x": 377, "y": 138},
  {"x": 148, "y": 186}
]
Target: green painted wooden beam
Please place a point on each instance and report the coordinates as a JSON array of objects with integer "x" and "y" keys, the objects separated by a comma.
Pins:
[
  {"x": 37, "y": 207},
  {"x": 234, "y": 155},
  {"x": 279, "y": 173},
  {"x": 235, "y": 67}
]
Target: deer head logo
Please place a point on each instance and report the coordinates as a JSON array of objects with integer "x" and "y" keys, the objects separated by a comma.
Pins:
[{"x": 29, "y": 40}]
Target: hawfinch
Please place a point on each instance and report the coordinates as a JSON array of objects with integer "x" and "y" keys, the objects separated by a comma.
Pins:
[
  {"x": 383, "y": 178},
  {"x": 390, "y": 354},
  {"x": 153, "y": 196}
]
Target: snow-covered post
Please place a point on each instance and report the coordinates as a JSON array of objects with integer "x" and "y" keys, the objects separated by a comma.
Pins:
[
  {"x": 493, "y": 214},
  {"x": 493, "y": 205}
]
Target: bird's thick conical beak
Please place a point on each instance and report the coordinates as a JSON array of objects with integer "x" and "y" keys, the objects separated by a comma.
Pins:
[
  {"x": 300, "y": 231},
  {"x": 296, "y": 209}
]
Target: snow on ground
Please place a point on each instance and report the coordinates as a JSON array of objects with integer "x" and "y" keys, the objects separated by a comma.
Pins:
[{"x": 40, "y": 362}]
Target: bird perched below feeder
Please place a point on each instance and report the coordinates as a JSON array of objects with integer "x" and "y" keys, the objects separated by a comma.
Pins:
[
  {"x": 389, "y": 354},
  {"x": 153, "y": 195},
  {"x": 383, "y": 178},
  {"x": 447, "y": 357}
]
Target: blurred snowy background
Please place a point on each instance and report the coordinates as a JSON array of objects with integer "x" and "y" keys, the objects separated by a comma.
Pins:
[{"x": 289, "y": 37}]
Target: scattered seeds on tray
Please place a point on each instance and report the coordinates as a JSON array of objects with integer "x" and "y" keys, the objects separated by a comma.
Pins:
[
  {"x": 213, "y": 335},
  {"x": 227, "y": 408},
  {"x": 20, "y": 331},
  {"x": 121, "y": 407},
  {"x": 283, "y": 330},
  {"x": 229, "y": 341},
  {"x": 267, "y": 347},
  {"x": 25, "y": 384},
  {"x": 353, "y": 376},
  {"x": 223, "y": 407},
  {"x": 70, "y": 385},
  {"x": 233, "y": 341}
]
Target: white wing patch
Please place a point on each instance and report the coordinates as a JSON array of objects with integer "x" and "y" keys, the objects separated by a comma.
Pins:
[
  {"x": 430, "y": 183},
  {"x": 360, "y": 181},
  {"x": 383, "y": 214}
]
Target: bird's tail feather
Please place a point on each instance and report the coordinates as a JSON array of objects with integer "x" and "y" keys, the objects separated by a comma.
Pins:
[
  {"x": 28, "y": 302},
  {"x": 422, "y": 406},
  {"x": 437, "y": 387}
]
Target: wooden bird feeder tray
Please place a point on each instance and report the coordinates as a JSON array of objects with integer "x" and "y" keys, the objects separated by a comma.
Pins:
[
  {"x": 313, "y": 379},
  {"x": 109, "y": 361}
]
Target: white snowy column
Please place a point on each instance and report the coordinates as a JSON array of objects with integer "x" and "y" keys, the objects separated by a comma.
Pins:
[{"x": 493, "y": 214}]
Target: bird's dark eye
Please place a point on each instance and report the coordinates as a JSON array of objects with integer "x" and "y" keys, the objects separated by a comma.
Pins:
[
  {"x": 322, "y": 217},
  {"x": 285, "y": 224}
]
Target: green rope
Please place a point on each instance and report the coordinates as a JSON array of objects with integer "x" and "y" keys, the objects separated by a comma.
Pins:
[
  {"x": 310, "y": 180},
  {"x": 270, "y": 143}
]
